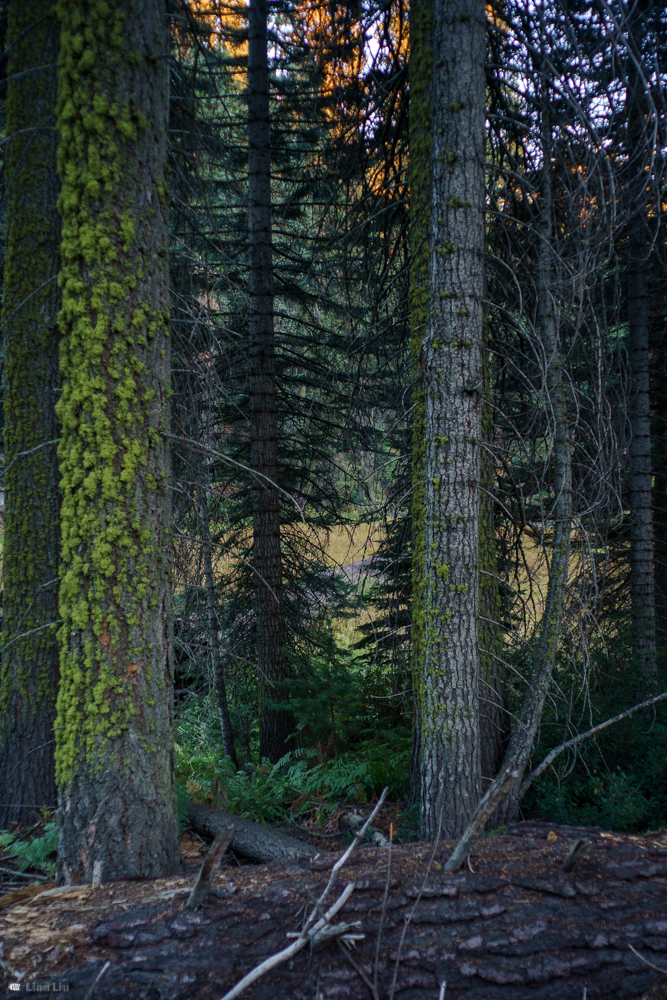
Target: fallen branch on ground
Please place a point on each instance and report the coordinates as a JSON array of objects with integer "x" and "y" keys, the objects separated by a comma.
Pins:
[
  {"x": 315, "y": 931},
  {"x": 306, "y": 936}
]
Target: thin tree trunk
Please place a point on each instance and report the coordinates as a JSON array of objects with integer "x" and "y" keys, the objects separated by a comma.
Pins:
[
  {"x": 114, "y": 756},
  {"x": 659, "y": 499},
  {"x": 275, "y": 725},
  {"x": 642, "y": 584},
  {"x": 448, "y": 689},
  {"x": 214, "y": 639},
  {"x": 525, "y": 728},
  {"x": 30, "y": 669}
]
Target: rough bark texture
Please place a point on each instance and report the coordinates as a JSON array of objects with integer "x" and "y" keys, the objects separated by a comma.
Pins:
[
  {"x": 526, "y": 725},
  {"x": 659, "y": 456},
  {"x": 214, "y": 639},
  {"x": 421, "y": 79},
  {"x": 274, "y": 725},
  {"x": 493, "y": 716},
  {"x": 448, "y": 690},
  {"x": 516, "y": 929},
  {"x": 642, "y": 586},
  {"x": 29, "y": 674},
  {"x": 114, "y": 753},
  {"x": 252, "y": 840}
]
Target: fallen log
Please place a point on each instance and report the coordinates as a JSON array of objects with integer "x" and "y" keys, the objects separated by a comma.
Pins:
[
  {"x": 252, "y": 840},
  {"x": 516, "y": 927}
]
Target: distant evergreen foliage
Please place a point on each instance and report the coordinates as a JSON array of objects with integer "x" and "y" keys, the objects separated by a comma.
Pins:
[{"x": 340, "y": 318}]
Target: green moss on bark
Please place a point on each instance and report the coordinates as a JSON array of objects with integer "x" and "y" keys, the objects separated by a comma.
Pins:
[{"x": 112, "y": 409}]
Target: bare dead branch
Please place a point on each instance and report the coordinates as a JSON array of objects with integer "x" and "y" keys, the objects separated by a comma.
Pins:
[
  {"x": 562, "y": 747},
  {"x": 208, "y": 869}
]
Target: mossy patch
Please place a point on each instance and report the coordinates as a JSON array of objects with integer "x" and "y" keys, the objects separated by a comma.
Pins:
[{"x": 109, "y": 405}]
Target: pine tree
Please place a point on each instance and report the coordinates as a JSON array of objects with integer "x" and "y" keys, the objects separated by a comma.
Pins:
[
  {"x": 114, "y": 753},
  {"x": 447, "y": 464},
  {"x": 29, "y": 676}
]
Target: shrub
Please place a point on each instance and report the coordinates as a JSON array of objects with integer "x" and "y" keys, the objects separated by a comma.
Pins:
[{"x": 32, "y": 853}]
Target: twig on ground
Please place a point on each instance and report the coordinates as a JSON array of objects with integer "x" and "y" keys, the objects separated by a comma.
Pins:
[
  {"x": 96, "y": 981},
  {"x": 304, "y": 938},
  {"x": 359, "y": 971},
  {"x": 646, "y": 961},
  {"x": 383, "y": 913},
  {"x": 412, "y": 911},
  {"x": 208, "y": 869},
  {"x": 19, "y": 874},
  {"x": 343, "y": 858},
  {"x": 314, "y": 931}
]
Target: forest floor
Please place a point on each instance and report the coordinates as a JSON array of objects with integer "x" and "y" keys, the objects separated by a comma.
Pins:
[{"x": 511, "y": 926}]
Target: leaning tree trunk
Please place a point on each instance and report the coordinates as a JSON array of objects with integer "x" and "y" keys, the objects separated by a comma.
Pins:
[
  {"x": 214, "y": 639},
  {"x": 526, "y": 725},
  {"x": 275, "y": 725},
  {"x": 642, "y": 583},
  {"x": 114, "y": 752},
  {"x": 29, "y": 676},
  {"x": 447, "y": 686}
]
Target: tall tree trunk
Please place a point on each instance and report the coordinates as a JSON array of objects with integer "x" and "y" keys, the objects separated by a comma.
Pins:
[
  {"x": 526, "y": 725},
  {"x": 659, "y": 497},
  {"x": 214, "y": 639},
  {"x": 421, "y": 80},
  {"x": 642, "y": 584},
  {"x": 448, "y": 689},
  {"x": 114, "y": 756},
  {"x": 30, "y": 670},
  {"x": 275, "y": 725}
]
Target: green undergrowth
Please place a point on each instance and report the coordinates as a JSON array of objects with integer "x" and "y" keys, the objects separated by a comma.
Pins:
[
  {"x": 350, "y": 743},
  {"x": 618, "y": 780},
  {"x": 345, "y": 764},
  {"x": 304, "y": 781},
  {"x": 34, "y": 853}
]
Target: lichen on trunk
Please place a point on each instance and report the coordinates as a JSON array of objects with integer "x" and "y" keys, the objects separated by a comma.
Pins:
[{"x": 114, "y": 752}]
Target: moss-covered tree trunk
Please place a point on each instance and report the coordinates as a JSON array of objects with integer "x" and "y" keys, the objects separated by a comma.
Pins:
[
  {"x": 446, "y": 559},
  {"x": 29, "y": 678},
  {"x": 114, "y": 753},
  {"x": 275, "y": 725}
]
